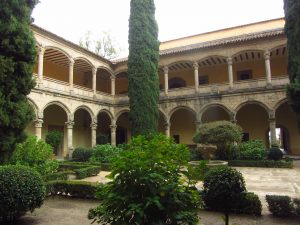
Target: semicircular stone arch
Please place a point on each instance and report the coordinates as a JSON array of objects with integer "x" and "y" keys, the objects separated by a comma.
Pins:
[
  {"x": 86, "y": 108},
  {"x": 215, "y": 112}
]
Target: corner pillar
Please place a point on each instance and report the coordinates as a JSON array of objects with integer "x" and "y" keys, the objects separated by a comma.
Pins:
[
  {"x": 268, "y": 68},
  {"x": 166, "y": 77},
  {"x": 94, "y": 72},
  {"x": 230, "y": 72},
  {"x": 71, "y": 70},
  {"x": 94, "y": 133},
  {"x": 167, "y": 129},
  {"x": 70, "y": 125},
  {"x": 113, "y": 85},
  {"x": 41, "y": 66},
  {"x": 196, "y": 76},
  {"x": 38, "y": 124}
]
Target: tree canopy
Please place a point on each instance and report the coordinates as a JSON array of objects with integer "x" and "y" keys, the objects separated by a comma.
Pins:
[
  {"x": 292, "y": 31},
  {"x": 143, "y": 67},
  {"x": 17, "y": 59}
]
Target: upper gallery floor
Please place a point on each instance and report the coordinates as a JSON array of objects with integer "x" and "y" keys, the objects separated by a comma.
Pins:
[{"x": 247, "y": 58}]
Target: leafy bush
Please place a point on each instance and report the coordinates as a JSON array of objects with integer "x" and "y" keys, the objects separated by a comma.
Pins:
[
  {"x": 219, "y": 133},
  {"x": 249, "y": 204},
  {"x": 223, "y": 189},
  {"x": 21, "y": 190},
  {"x": 87, "y": 172},
  {"x": 230, "y": 152},
  {"x": 57, "y": 176},
  {"x": 195, "y": 154},
  {"x": 197, "y": 172},
  {"x": 105, "y": 166},
  {"x": 36, "y": 154},
  {"x": 275, "y": 154},
  {"x": 54, "y": 138},
  {"x": 79, "y": 189},
  {"x": 82, "y": 154},
  {"x": 280, "y": 206},
  {"x": 262, "y": 163},
  {"x": 104, "y": 153},
  {"x": 253, "y": 150},
  {"x": 147, "y": 186}
]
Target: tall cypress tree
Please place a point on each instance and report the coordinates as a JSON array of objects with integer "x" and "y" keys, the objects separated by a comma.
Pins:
[
  {"x": 17, "y": 59},
  {"x": 292, "y": 31},
  {"x": 143, "y": 67}
]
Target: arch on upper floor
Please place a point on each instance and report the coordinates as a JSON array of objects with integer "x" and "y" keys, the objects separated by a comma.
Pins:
[
  {"x": 211, "y": 105},
  {"x": 106, "y": 111},
  {"x": 172, "y": 111},
  {"x": 86, "y": 108},
  {"x": 121, "y": 71},
  {"x": 278, "y": 47},
  {"x": 254, "y": 102},
  {"x": 237, "y": 53},
  {"x": 60, "y": 104},
  {"x": 212, "y": 60},
  {"x": 106, "y": 69},
  {"x": 180, "y": 62},
  {"x": 60, "y": 50},
  {"x": 85, "y": 60}
]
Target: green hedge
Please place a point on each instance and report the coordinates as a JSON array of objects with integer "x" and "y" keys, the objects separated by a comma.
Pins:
[
  {"x": 79, "y": 189},
  {"x": 249, "y": 204},
  {"x": 87, "y": 172},
  {"x": 105, "y": 166},
  {"x": 261, "y": 163},
  {"x": 283, "y": 206},
  {"x": 57, "y": 176}
]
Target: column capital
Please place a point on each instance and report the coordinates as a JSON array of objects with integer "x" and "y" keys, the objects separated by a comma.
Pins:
[
  {"x": 94, "y": 125},
  {"x": 38, "y": 123},
  {"x": 71, "y": 63},
  {"x": 112, "y": 77},
  {"x": 267, "y": 54},
  {"x": 113, "y": 126},
  {"x": 229, "y": 61},
  {"x": 42, "y": 50},
  {"x": 167, "y": 125},
  {"x": 272, "y": 116},
  {"x": 196, "y": 65},
  {"x": 166, "y": 69},
  {"x": 70, "y": 124}
]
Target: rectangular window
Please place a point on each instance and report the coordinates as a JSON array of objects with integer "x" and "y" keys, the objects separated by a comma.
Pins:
[
  {"x": 203, "y": 80},
  {"x": 244, "y": 75}
]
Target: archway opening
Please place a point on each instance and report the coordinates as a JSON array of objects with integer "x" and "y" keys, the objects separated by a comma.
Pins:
[
  {"x": 82, "y": 129},
  {"x": 83, "y": 74},
  {"x": 122, "y": 83},
  {"x": 123, "y": 134},
  {"x": 55, "y": 118},
  {"x": 286, "y": 118},
  {"x": 103, "y": 128},
  {"x": 103, "y": 83},
  {"x": 214, "y": 113},
  {"x": 254, "y": 121},
  {"x": 183, "y": 126},
  {"x": 279, "y": 62},
  {"x": 282, "y": 138}
]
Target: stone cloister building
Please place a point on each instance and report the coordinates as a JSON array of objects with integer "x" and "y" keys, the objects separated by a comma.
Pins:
[{"x": 237, "y": 74}]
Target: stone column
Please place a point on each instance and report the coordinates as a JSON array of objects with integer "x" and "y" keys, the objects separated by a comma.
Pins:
[
  {"x": 38, "y": 124},
  {"x": 113, "y": 85},
  {"x": 166, "y": 76},
  {"x": 272, "y": 126},
  {"x": 41, "y": 66},
  {"x": 268, "y": 68},
  {"x": 94, "y": 72},
  {"x": 70, "y": 125},
  {"x": 71, "y": 69},
  {"x": 94, "y": 133},
  {"x": 196, "y": 76},
  {"x": 233, "y": 118},
  {"x": 230, "y": 72},
  {"x": 113, "y": 129},
  {"x": 167, "y": 129},
  {"x": 198, "y": 124}
]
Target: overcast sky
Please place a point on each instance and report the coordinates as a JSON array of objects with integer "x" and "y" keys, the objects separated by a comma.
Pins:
[{"x": 71, "y": 19}]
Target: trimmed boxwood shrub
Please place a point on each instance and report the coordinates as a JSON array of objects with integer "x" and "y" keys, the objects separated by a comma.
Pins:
[
  {"x": 249, "y": 204},
  {"x": 223, "y": 189},
  {"x": 82, "y": 154},
  {"x": 105, "y": 166},
  {"x": 262, "y": 163},
  {"x": 87, "y": 172},
  {"x": 275, "y": 154},
  {"x": 79, "y": 189},
  {"x": 280, "y": 206},
  {"x": 105, "y": 153},
  {"x": 21, "y": 190},
  {"x": 57, "y": 176}
]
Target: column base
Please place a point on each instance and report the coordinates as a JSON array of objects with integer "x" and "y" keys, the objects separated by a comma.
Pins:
[{"x": 269, "y": 85}]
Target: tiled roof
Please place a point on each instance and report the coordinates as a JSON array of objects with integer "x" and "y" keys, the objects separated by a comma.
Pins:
[{"x": 219, "y": 42}]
